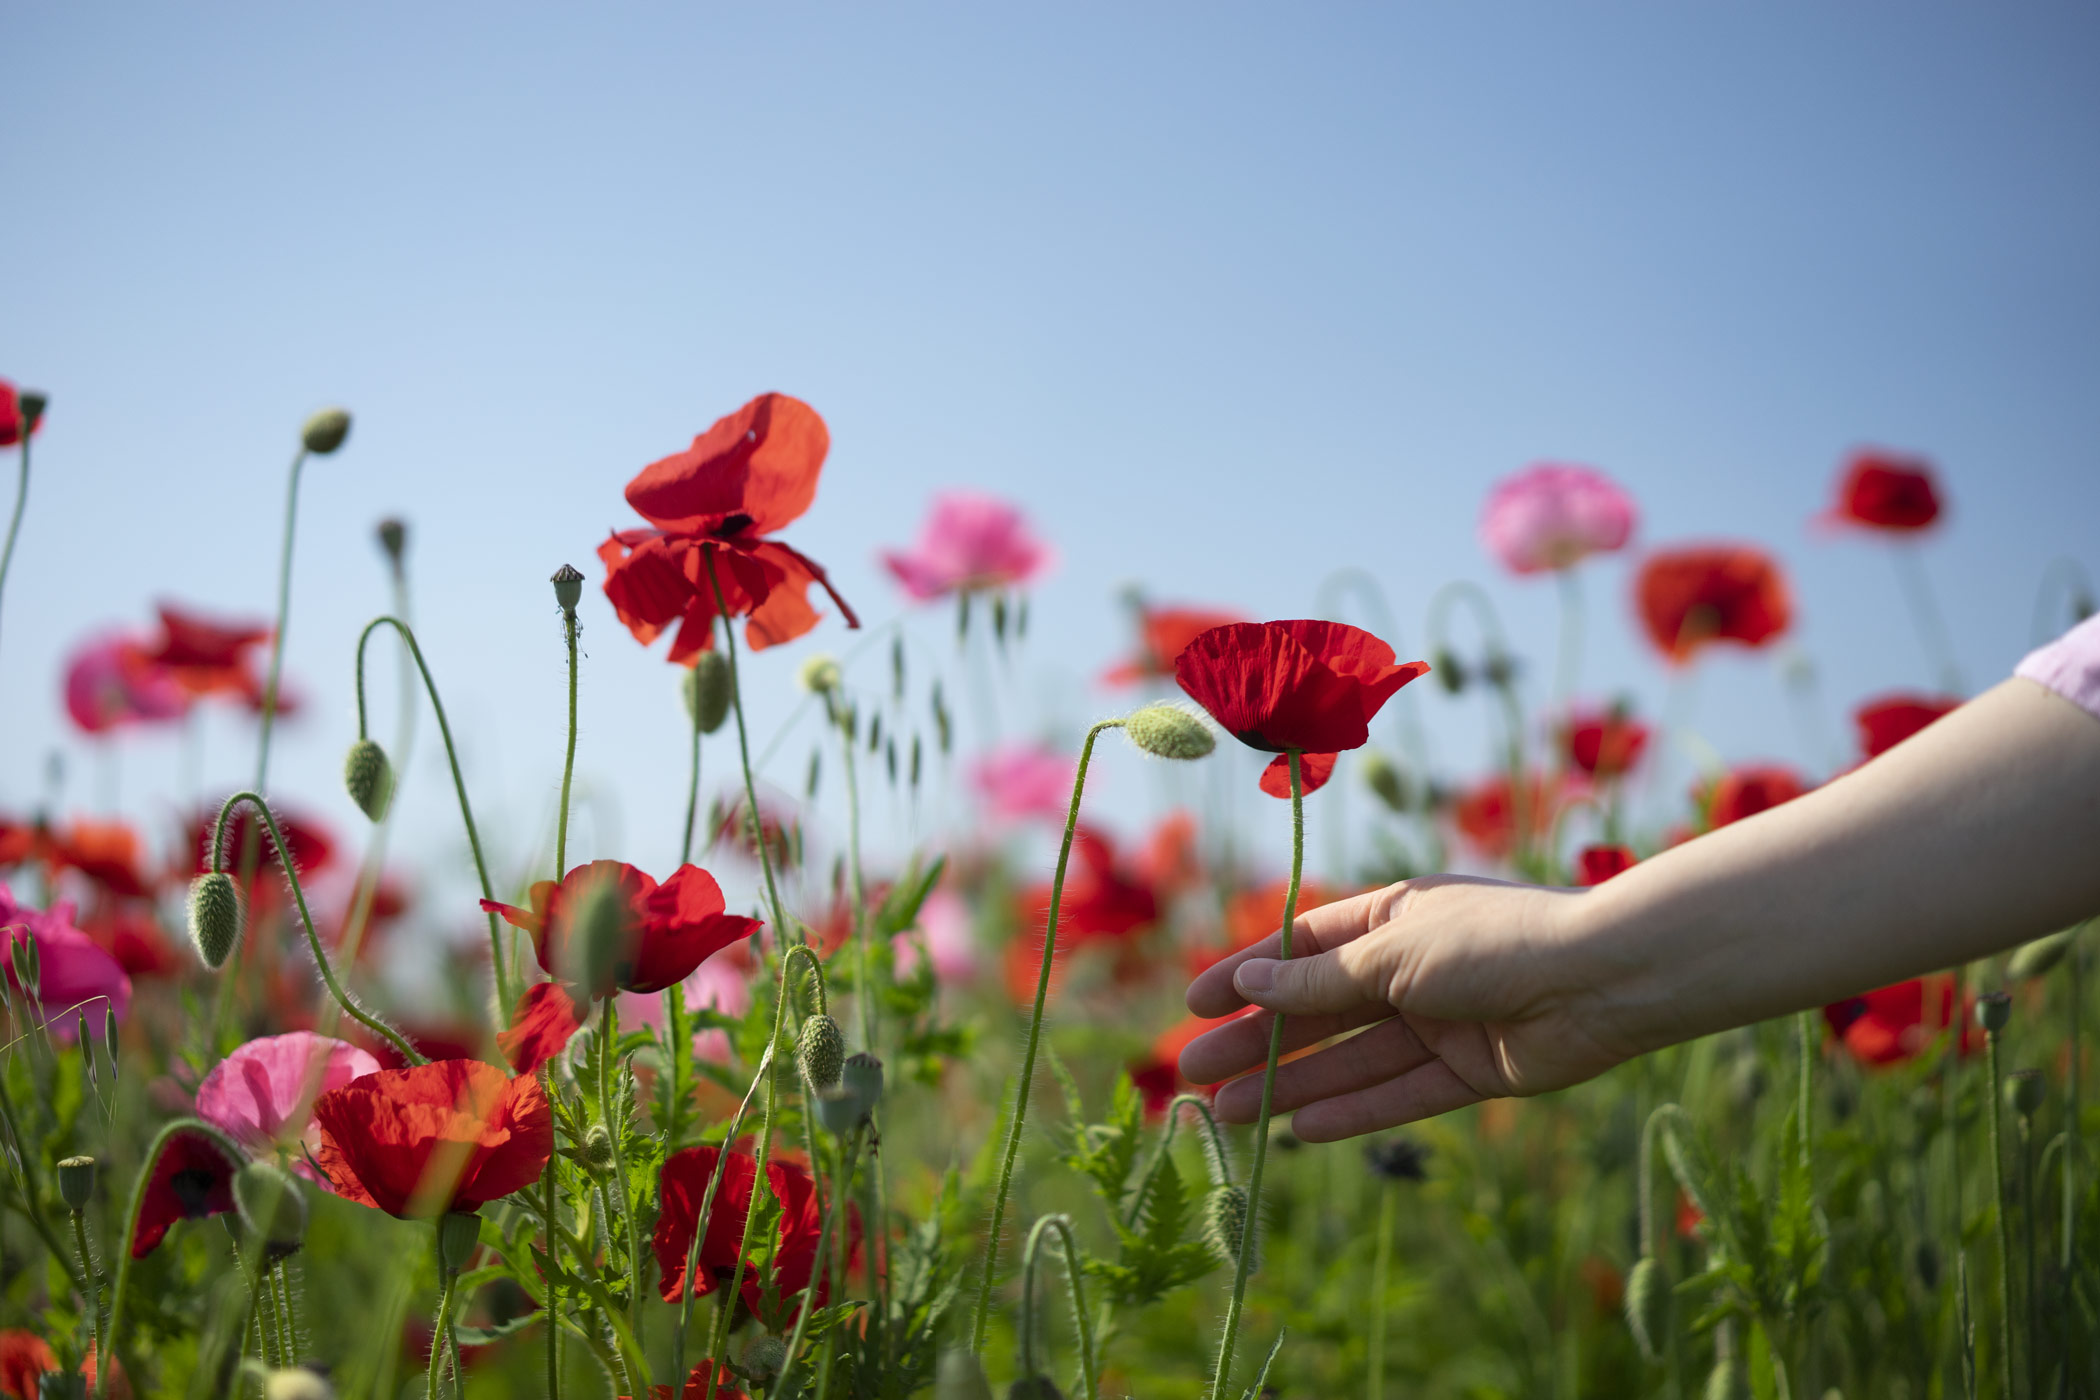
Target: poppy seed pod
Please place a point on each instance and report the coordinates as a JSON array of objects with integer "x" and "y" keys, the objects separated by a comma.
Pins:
[
  {"x": 1648, "y": 1307},
  {"x": 297, "y": 1383},
  {"x": 1450, "y": 673},
  {"x": 960, "y": 1376},
  {"x": 861, "y": 1076},
  {"x": 271, "y": 1205},
  {"x": 1034, "y": 1388},
  {"x": 215, "y": 916},
  {"x": 821, "y": 1051},
  {"x": 838, "y": 1112},
  {"x": 31, "y": 405},
  {"x": 2037, "y": 959},
  {"x": 458, "y": 1232},
  {"x": 2024, "y": 1091},
  {"x": 1168, "y": 731},
  {"x": 598, "y": 1148},
  {"x": 568, "y": 588},
  {"x": 369, "y": 777},
  {"x": 1382, "y": 776},
  {"x": 707, "y": 691},
  {"x": 76, "y": 1182},
  {"x": 765, "y": 1357},
  {"x": 325, "y": 431},
  {"x": 1993, "y": 1010},
  {"x": 1225, "y": 1222}
]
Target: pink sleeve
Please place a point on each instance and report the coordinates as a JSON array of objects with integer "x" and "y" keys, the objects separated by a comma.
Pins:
[{"x": 2070, "y": 666}]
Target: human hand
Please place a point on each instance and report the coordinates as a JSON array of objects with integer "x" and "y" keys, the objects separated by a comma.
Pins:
[{"x": 1460, "y": 989}]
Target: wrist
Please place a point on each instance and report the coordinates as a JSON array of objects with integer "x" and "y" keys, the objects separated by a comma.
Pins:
[{"x": 1612, "y": 982}]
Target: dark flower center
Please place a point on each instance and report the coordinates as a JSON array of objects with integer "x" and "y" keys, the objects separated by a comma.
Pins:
[
  {"x": 732, "y": 526},
  {"x": 192, "y": 1188}
]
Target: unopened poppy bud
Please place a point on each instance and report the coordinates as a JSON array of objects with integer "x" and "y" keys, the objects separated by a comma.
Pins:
[
  {"x": 1382, "y": 776},
  {"x": 271, "y": 1205},
  {"x": 458, "y": 1233},
  {"x": 1225, "y": 1221},
  {"x": 1168, "y": 731},
  {"x": 765, "y": 1357},
  {"x": 393, "y": 537},
  {"x": 2024, "y": 1091},
  {"x": 861, "y": 1076},
  {"x": 1499, "y": 670},
  {"x": 821, "y": 1051},
  {"x": 297, "y": 1383},
  {"x": 820, "y": 674},
  {"x": 325, "y": 431},
  {"x": 707, "y": 691},
  {"x": 215, "y": 916},
  {"x": 960, "y": 1376},
  {"x": 2036, "y": 959},
  {"x": 598, "y": 1148},
  {"x": 109, "y": 1038},
  {"x": 369, "y": 777},
  {"x": 1993, "y": 1010},
  {"x": 1034, "y": 1388},
  {"x": 1450, "y": 673},
  {"x": 1648, "y": 1308},
  {"x": 31, "y": 405},
  {"x": 76, "y": 1182},
  {"x": 568, "y": 588}
]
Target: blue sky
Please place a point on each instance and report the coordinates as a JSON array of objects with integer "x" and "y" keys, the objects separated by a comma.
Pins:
[{"x": 1225, "y": 296}]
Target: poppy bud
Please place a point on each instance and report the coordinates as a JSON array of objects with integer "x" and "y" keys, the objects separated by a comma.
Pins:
[
  {"x": 707, "y": 691},
  {"x": 31, "y": 405},
  {"x": 76, "y": 1182},
  {"x": 821, "y": 1051},
  {"x": 458, "y": 1233},
  {"x": 297, "y": 1383},
  {"x": 765, "y": 1357},
  {"x": 1648, "y": 1307},
  {"x": 568, "y": 588},
  {"x": 1168, "y": 731},
  {"x": 369, "y": 777},
  {"x": 838, "y": 1112},
  {"x": 1993, "y": 1010},
  {"x": 1398, "y": 1159},
  {"x": 1927, "y": 1263},
  {"x": 2036, "y": 959},
  {"x": 109, "y": 1038},
  {"x": 325, "y": 431},
  {"x": 1450, "y": 673},
  {"x": 2024, "y": 1091},
  {"x": 271, "y": 1206},
  {"x": 597, "y": 1148},
  {"x": 393, "y": 537},
  {"x": 862, "y": 1078},
  {"x": 960, "y": 1376},
  {"x": 1382, "y": 776},
  {"x": 215, "y": 916},
  {"x": 1034, "y": 1388},
  {"x": 1225, "y": 1221},
  {"x": 1499, "y": 670},
  {"x": 820, "y": 675}
]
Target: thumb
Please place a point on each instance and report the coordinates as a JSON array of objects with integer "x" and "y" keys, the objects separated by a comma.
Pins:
[{"x": 1302, "y": 985}]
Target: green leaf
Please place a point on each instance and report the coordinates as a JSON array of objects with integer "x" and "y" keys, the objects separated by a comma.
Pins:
[
  {"x": 1261, "y": 1377},
  {"x": 900, "y": 907}
]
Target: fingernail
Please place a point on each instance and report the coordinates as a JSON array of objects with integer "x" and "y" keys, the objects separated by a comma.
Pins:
[{"x": 1255, "y": 977}]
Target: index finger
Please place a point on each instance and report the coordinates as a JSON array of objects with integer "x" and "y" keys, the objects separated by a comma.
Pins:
[{"x": 1319, "y": 930}]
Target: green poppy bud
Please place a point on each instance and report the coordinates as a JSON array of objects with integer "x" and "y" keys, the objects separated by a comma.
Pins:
[
  {"x": 1993, "y": 1010},
  {"x": 598, "y": 1148},
  {"x": 1225, "y": 1222},
  {"x": 28, "y": 964},
  {"x": 568, "y": 588},
  {"x": 393, "y": 537},
  {"x": 369, "y": 777},
  {"x": 820, "y": 674},
  {"x": 325, "y": 431},
  {"x": 215, "y": 916},
  {"x": 1169, "y": 731},
  {"x": 2036, "y": 959},
  {"x": 707, "y": 691},
  {"x": 458, "y": 1233},
  {"x": 960, "y": 1376},
  {"x": 599, "y": 937},
  {"x": 765, "y": 1357},
  {"x": 2024, "y": 1091},
  {"x": 297, "y": 1383},
  {"x": 821, "y": 1051},
  {"x": 76, "y": 1182},
  {"x": 31, "y": 405},
  {"x": 1383, "y": 777},
  {"x": 271, "y": 1205},
  {"x": 1648, "y": 1308},
  {"x": 1450, "y": 673}
]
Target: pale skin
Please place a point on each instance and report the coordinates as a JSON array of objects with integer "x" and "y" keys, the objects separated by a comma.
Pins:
[{"x": 1975, "y": 835}]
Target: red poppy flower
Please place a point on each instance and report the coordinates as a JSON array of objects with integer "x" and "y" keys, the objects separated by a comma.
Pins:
[
  {"x": 547, "y": 1015},
  {"x": 1103, "y": 903},
  {"x": 683, "y": 1183},
  {"x": 1691, "y": 597},
  {"x": 206, "y": 657},
  {"x": 1486, "y": 813},
  {"x": 1886, "y": 491},
  {"x": 1157, "y": 1077},
  {"x": 666, "y": 930},
  {"x": 135, "y": 941},
  {"x": 1887, "y": 722},
  {"x": 23, "y": 842},
  {"x": 1162, "y": 634},
  {"x": 1169, "y": 861},
  {"x": 1744, "y": 792},
  {"x": 11, "y": 415},
  {"x": 1605, "y": 744},
  {"x": 695, "y": 1387},
  {"x": 23, "y": 1355},
  {"x": 1596, "y": 864},
  {"x": 1893, "y": 1024},
  {"x": 750, "y": 474},
  {"x": 1314, "y": 769},
  {"x": 107, "y": 852},
  {"x": 192, "y": 1179},
  {"x": 448, "y": 1136}
]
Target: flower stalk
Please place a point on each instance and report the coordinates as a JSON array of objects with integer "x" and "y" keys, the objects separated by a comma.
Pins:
[
  {"x": 782, "y": 930},
  {"x": 1062, "y": 1226}
]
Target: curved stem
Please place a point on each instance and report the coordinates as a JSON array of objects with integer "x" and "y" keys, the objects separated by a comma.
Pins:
[
  {"x": 568, "y": 763},
  {"x": 1035, "y": 1035},
  {"x": 1644, "y": 1188},
  {"x": 459, "y": 785},
  {"x": 1062, "y": 1224},
  {"x": 782, "y": 930},
  {"x": 1213, "y": 1151},
  {"x": 1268, "y": 1093},
  {"x": 2005, "y": 1278},
  {"x": 14, "y": 524},
  {"x": 284, "y": 608},
  {"x": 1931, "y": 622},
  {"x": 313, "y": 940}
]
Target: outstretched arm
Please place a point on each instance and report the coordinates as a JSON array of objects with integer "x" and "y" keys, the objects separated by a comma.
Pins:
[{"x": 1978, "y": 833}]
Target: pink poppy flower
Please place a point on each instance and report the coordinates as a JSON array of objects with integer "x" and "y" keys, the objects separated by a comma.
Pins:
[
  {"x": 1552, "y": 516},
  {"x": 716, "y": 985},
  {"x": 262, "y": 1095},
  {"x": 1019, "y": 781},
  {"x": 110, "y": 683},
  {"x": 944, "y": 934},
  {"x": 74, "y": 976},
  {"x": 969, "y": 541}
]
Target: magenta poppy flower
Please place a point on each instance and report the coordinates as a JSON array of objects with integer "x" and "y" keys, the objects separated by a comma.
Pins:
[
  {"x": 1020, "y": 781},
  {"x": 111, "y": 683},
  {"x": 970, "y": 541},
  {"x": 262, "y": 1095},
  {"x": 1552, "y": 516},
  {"x": 73, "y": 974}
]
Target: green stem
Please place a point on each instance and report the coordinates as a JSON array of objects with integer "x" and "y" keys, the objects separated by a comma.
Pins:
[
  {"x": 2005, "y": 1280},
  {"x": 1804, "y": 1026},
  {"x": 676, "y": 1047},
  {"x": 863, "y": 979},
  {"x": 1213, "y": 1152},
  {"x": 2074, "y": 1128},
  {"x": 553, "y": 1308},
  {"x": 14, "y": 524},
  {"x": 568, "y": 763},
  {"x": 93, "y": 1297},
  {"x": 313, "y": 940},
  {"x": 1035, "y": 1033},
  {"x": 782, "y": 930},
  {"x": 1062, "y": 1224},
  {"x": 1381, "y": 1266},
  {"x": 616, "y": 1129},
  {"x": 707, "y": 1206},
  {"x": 459, "y": 785},
  {"x": 439, "y": 1331},
  {"x": 1223, "y": 1376},
  {"x": 692, "y": 799},
  {"x": 2032, "y": 1292},
  {"x": 261, "y": 1302},
  {"x": 284, "y": 609},
  {"x": 824, "y": 1271},
  {"x": 287, "y": 1325}
]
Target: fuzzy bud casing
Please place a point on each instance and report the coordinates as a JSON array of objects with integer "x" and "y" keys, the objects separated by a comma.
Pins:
[
  {"x": 1382, "y": 777},
  {"x": 960, "y": 1376},
  {"x": 370, "y": 778},
  {"x": 297, "y": 1383},
  {"x": 821, "y": 1051},
  {"x": 215, "y": 916},
  {"x": 568, "y": 588},
  {"x": 1225, "y": 1221},
  {"x": 1993, "y": 1010},
  {"x": 325, "y": 431},
  {"x": 1727, "y": 1382},
  {"x": 598, "y": 1148},
  {"x": 707, "y": 691},
  {"x": 2037, "y": 959},
  {"x": 1648, "y": 1308},
  {"x": 765, "y": 1357},
  {"x": 1169, "y": 731},
  {"x": 76, "y": 1182},
  {"x": 458, "y": 1233},
  {"x": 271, "y": 1205},
  {"x": 2024, "y": 1091},
  {"x": 393, "y": 537}
]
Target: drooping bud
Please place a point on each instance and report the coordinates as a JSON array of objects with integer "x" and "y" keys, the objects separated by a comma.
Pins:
[
  {"x": 271, "y": 1205},
  {"x": 1398, "y": 1158},
  {"x": 2024, "y": 1091},
  {"x": 1648, "y": 1308},
  {"x": 297, "y": 1383},
  {"x": 960, "y": 1376},
  {"x": 325, "y": 431},
  {"x": 1450, "y": 673},
  {"x": 1499, "y": 670},
  {"x": 393, "y": 537},
  {"x": 458, "y": 1233},
  {"x": 1993, "y": 1010},
  {"x": 707, "y": 691},
  {"x": 76, "y": 1182},
  {"x": 764, "y": 1357},
  {"x": 31, "y": 403},
  {"x": 109, "y": 1038},
  {"x": 1169, "y": 731},
  {"x": 369, "y": 777},
  {"x": 1225, "y": 1222},
  {"x": 1382, "y": 776},
  {"x": 2036, "y": 959},
  {"x": 821, "y": 1051},
  {"x": 598, "y": 1148},
  {"x": 820, "y": 674},
  {"x": 1033, "y": 1387},
  {"x": 568, "y": 588},
  {"x": 215, "y": 916}
]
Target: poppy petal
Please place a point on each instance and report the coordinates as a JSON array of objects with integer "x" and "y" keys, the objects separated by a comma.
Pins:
[{"x": 1314, "y": 769}]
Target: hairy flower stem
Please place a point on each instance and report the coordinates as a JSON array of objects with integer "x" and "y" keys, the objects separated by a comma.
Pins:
[
  {"x": 2005, "y": 1278},
  {"x": 287, "y": 1319},
  {"x": 1062, "y": 1224},
  {"x": 306, "y": 920},
  {"x": 1035, "y": 1035},
  {"x": 848, "y": 1150},
  {"x": 692, "y": 798},
  {"x": 92, "y": 1297},
  {"x": 616, "y": 1129},
  {"x": 440, "y": 1333},
  {"x": 14, "y": 523},
  {"x": 1381, "y": 1266},
  {"x": 1213, "y": 1152},
  {"x": 1223, "y": 1377},
  {"x": 863, "y": 974},
  {"x": 261, "y": 1323},
  {"x": 459, "y": 786},
  {"x": 553, "y": 1308},
  {"x": 374, "y": 864},
  {"x": 568, "y": 763},
  {"x": 782, "y": 930},
  {"x": 1805, "y": 1028}
]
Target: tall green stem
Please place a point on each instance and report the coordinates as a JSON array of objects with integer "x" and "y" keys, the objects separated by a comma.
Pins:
[
  {"x": 616, "y": 1130},
  {"x": 1805, "y": 1030},
  {"x": 93, "y": 1277},
  {"x": 439, "y": 1333},
  {"x": 553, "y": 1308},
  {"x": 1035, "y": 1035},
  {"x": 2032, "y": 1291},
  {"x": 374, "y": 864},
  {"x": 782, "y": 930},
  {"x": 863, "y": 974},
  {"x": 14, "y": 523},
  {"x": 1223, "y": 1377},
  {"x": 2005, "y": 1278},
  {"x": 692, "y": 798},
  {"x": 1381, "y": 1267},
  {"x": 284, "y": 609},
  {"x": 568, "y": 763}
]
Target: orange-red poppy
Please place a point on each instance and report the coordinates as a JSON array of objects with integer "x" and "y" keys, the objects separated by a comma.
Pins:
[
  {"x": 1596, "y": 864},
  {"x": 1753, "y": 788},
  {"x": 664, "y": 931},
  {"x": 451, "y": 1135},
  {"x": 1162, "y": 633},
  {"x": 1693, "y": 597}
]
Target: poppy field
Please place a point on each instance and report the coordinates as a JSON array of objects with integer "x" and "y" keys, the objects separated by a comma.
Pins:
[{"x": 827, "y": 1110}]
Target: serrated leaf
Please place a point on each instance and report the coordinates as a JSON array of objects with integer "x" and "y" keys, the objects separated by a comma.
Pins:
[{"x": 1261, "y": 1377}]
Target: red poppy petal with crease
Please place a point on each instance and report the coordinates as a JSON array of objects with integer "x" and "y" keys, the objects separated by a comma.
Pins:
[
  {"x": 192, "y": 1179},
  {"x": 545, "y": 1019},
  {"x": 384, "y": 1134},
  {"x": 761, "y": 462},
  {"x": 1298, "y": 683},
  {"x": 685, "y": 927},
  {"x": 645, "y": 582},
  {"x": 1314, "y": 769}
]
